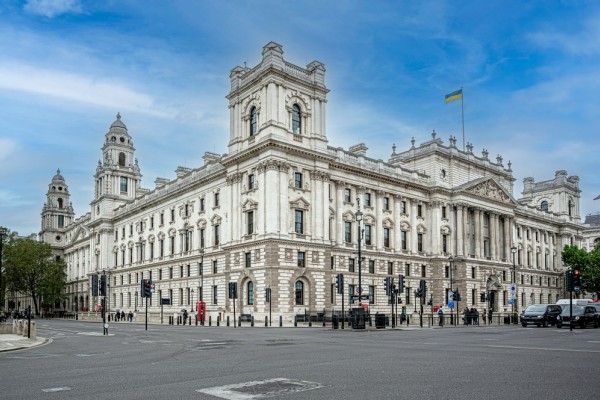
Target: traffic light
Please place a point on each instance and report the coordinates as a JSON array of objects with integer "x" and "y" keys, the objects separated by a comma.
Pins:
[
  {"x": 457, "y": 296},
  {"x": 146, "y": 288},
  {"x": 102, "y": 285},
  {"x": 576, "y": 280},
  {"x": 482, "y": 297},
  {"x": 339, "y": 281},
  {"x": 423, "y": 287},
  {"x": 388, "y": 285},
  {"x": 570, "y": 280},
  {"x": 400, "y": 283},
  {"x": 268, "y": 295},
  {"x": 95, "y": 285},
  {"x": 430, "y": 302},
  {"x": 233, "y": 290}
]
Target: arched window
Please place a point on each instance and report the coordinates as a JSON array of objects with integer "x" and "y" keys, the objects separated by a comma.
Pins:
[
  {"x": 121, "y": 159},
  {"x": 250, "y": 293},
  {"x": 296, "y": 127},
  {"x": 253, "y": 121},
  {"x": 299, "y": 293},
  {"x": 544, "y": 205},
  {"x": 60, "y": 202}
]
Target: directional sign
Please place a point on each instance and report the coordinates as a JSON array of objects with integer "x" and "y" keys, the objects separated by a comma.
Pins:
[
  {"x": 450, "y": 296},
  {"x": 451, "y": 303}
]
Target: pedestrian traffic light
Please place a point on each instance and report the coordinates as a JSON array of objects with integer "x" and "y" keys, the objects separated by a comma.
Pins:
[
  {"x": 423, "y": 287},
  {"x": 146, "y": 288},
  {"x": 570, "y": 279},
  {"x": 482, "y": 297},
  {"x": 400, "y": 283},
  {"x": 233, "y": 290},
  {"x": 576, "y": 280},
  {"x": 102, "y": 285},
  {"x": 339, "y": 281},
  {"x": 268, "y": 295},
  {"x": 95, "y": 285},
  {"x": 388, "y": 285}
]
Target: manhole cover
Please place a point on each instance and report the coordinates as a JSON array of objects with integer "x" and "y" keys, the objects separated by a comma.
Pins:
[{"x": 260, "y": 389}]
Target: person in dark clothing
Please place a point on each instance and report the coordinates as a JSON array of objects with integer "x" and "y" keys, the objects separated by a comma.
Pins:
[{"x": 441, "y": 317}]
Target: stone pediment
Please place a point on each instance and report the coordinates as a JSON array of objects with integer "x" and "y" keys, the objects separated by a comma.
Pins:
[
  {"x": 488, "y": 188},
  {"x": 80, "y": 233}
]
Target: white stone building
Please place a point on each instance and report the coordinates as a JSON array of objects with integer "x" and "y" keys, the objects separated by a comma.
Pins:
[{"x": 278, "y": 211}]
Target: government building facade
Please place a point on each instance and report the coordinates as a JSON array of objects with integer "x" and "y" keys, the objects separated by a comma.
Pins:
[{"x": 282, "y": 209}]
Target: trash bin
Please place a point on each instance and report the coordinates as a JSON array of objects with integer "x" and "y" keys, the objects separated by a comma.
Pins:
[
  {"x": 357, "y": 316},
  {"x": 335, "y": 323},
  {"x": 380, "y": 321}
]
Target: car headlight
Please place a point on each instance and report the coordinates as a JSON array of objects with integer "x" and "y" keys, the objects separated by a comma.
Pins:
[
  {"x": 540, "y": 316},
  {"x": 558, "y": 317},
  {"x": 576, "y": 318}
]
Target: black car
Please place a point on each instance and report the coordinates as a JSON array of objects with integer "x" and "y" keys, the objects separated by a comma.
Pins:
[
  {"x": 583, "y": 316},
  {"x": 540, "y": 315}
]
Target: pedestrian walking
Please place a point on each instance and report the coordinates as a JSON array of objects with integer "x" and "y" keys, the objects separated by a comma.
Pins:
[
  {"x": 117, "y": 316},
  {"x": 123, "y": 315},
  {"x": 130, "y": 316},
  {"x": 441, "y": 316}
]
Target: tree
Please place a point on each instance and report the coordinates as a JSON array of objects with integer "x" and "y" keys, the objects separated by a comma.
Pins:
[
  {"x": 31, "y": 270},
  {"x": 587, "y": 263}
]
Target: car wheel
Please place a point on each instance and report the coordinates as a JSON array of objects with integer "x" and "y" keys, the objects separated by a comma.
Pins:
[
  {"x": 524, "y": 324},
  {"x": 559, "y": 326}
]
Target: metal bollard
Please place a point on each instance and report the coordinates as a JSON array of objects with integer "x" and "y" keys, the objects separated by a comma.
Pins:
[
  {"x": 266, "y": 321},
  {"x": 252, "y": 321},
  {"x": 210, "y": 320},
  {"x": 295, "y": 321},
  {"x": 228, "y": 320},
  {"x": 218, "y": 321},
  {"x": 239, "y": 321},
  {"x": 280, "y": 321},
  {"x": 309, "y": 321}
]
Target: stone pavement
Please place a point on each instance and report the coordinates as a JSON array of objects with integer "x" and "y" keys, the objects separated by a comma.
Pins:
[{"x": 10, "y": 342}]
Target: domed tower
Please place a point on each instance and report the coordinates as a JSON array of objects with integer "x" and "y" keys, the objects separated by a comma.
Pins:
[
  {"x": 57, "y": 212},
  {"x": 118, "y": 175}
]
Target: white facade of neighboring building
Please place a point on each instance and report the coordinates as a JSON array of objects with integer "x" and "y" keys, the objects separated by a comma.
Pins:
[{"x": 278, "y": 211}]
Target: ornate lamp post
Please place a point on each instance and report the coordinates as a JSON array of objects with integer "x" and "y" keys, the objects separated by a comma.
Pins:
[
  {"x": 451, "y": 261},
  {"x": 3, "y": 232},
  {"x": 201, "y": 271},
  {"x": 515, "y": 305},
  {"x": 359, "y": 217}
]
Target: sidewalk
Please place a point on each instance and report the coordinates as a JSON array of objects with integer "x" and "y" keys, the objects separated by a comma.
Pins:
[{"x": 10, "y": 342}]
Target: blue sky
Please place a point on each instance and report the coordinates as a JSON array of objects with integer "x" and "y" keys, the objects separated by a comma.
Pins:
[{"x": 530, "y": 72}]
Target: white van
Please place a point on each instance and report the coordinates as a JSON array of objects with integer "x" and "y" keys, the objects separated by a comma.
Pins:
[{"x": 576, "y": 302}]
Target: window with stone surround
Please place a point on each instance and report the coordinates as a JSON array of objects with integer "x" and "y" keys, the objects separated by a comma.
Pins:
[
  {"x": 298, "y": 180},
  {"x": 371, "y": 266},
  {"x": 301, "y": 259},
  {"x": 250, "y": 222},
  {"x": 351, "y": 265},
  {"x": 253, "y": 121},
  {"x": 403, "y": 239},
  {"x": 296, "y": 119},
  {"x": 367, "y": 234},
  {"x": 386, "y": 203},
  {"x": 248, "y": 259},
  {"x": 348, "y": 195},
  {"x": 367, "y": 199},
  {"x": 299, "y": 221},
  {"x": 420, "y": 242},
  {"x": 299, "y": 293},
  {"x": 251, "y": 182},
  {"x": 386, "y": 237},
  {"x": 348, "y": 232},
  {"x": 250, "y": 293}
]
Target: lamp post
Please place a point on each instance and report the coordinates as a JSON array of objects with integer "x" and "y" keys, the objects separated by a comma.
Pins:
[
  {"x": 515, "y": 305},
  {"x": 201, "y": 271},
  {"x": 3, "y": 232},
  {"x": 359, "y": 217},
  {"x": 451, "y": 261}
]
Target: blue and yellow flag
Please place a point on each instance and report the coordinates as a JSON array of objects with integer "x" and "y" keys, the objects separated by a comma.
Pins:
[{"x": 457, "y": 95}]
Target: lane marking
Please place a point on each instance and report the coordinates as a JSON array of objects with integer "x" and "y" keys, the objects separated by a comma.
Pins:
[
  {"x": 543, "y": 348},
  {"x": 57, "y": 389}
]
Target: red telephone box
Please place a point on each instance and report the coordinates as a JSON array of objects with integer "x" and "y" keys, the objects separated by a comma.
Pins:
[{"x": 201, "y": 311}]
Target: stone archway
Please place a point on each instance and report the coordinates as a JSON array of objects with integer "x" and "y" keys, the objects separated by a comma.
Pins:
[{"x": 493, "y": 287}]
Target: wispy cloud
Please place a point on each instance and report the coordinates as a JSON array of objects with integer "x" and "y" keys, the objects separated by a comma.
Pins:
[
  {"x": 52, "y": 8},
  {"x": 583, "y": 42}
]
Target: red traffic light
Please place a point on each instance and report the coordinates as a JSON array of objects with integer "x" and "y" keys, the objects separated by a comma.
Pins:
[{"x": 576, "y": 272}]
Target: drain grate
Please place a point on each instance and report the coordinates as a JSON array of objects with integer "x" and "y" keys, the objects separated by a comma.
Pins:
[{"x": 260, "y": 389}]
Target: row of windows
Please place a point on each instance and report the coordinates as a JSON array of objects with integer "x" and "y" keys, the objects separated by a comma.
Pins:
[{"x": 296, "y": 120}]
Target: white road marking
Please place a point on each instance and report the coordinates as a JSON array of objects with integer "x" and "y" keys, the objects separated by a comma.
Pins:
[
  {"x": 543, "y": 348},
  {"x": 57, "y": 389}
]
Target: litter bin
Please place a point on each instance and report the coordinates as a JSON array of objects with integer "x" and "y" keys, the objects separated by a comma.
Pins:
[
  {"x": 335, "y": 323},
  {"x": 379, "y": 321},
  {"x": 357, "y": 316}
]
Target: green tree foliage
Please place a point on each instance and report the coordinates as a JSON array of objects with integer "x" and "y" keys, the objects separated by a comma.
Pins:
[
  {"x": 588, "y": 263},
  {"x": 32, "y": 271}
]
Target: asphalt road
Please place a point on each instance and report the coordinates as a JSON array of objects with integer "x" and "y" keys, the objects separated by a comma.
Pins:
[{"x": 177, "y": 362}]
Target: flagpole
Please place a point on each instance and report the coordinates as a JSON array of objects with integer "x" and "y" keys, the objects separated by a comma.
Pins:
[{"x": 462, "y": 108}]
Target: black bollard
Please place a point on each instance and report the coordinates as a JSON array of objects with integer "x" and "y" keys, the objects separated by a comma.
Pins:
[
  {"x": 239, "y": 321},
  {"x": 295, "y": 321},
  {"x": 266, "y": 321},
  {"x": 280, "y": 321},
  {"x": 228, "y": 320},
  {"x": 252, "y": 321},
  {"x": 210, "y": 320},
  {"x": 218, "y": 321}
]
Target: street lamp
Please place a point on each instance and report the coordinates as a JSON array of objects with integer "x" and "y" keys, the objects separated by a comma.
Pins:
[
  {"x": 515, "y": 305},
  {"x": 201, "y": 271},
  {"x": 451, "y": 261},
  {"x": 3, "y": 232},
  {"x": 359, "y": 217}
]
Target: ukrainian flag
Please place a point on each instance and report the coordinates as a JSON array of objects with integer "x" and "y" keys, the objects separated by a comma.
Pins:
[{"x": 457, "y": 95}]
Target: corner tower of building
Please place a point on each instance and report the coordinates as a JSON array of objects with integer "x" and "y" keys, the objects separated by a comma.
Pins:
[
  {"x": 560, "y": 195},
  {"x": 57, "y": 212},
  {"x": 277, "y": 100}
]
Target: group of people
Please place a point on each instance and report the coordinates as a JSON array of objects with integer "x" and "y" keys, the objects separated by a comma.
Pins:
[
  {"x": 470, "y": 316},
  {"x": 120, "y": 316}
]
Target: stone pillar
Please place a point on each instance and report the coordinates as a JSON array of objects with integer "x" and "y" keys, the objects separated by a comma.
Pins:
[
  {"x": 478, "y": 233},
  {"x": 339, "y": 203},
  {"x": 413, "y": 226},
  {"x": 379, "y": 224},
  {"x": 325, "y": 204},
  {"x": 494, "y": 236},
  {"x": 434, "y": 230},
  {"x": 459, "y": 230},
  {"x": 397, "y": 233},
  {"x": 284, "y": 204},
  {"x": 543, "y": 251}
]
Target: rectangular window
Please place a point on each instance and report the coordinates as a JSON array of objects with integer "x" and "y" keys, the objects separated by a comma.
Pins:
[
  {"x": 161, "y": 247},
  {"x": 473, "y": 272},
  {"x": 251, "y": 182},
  {"x": 123, "y": 185},
  {"x": 248, "y": 262},
  {"x": 403, "y": 207},
  {"x": 217, "y": 199},
  {"x": 351, "y": 265},
  {"x": 170, "y": 272},
  {"x": 173, "y": 215},
  {"x": 386, "y": 203},
  {"x": 419, "y": 211},
  {"x": 371, "y": 266},
  {"x": 215, "y": 266},
  {"x": 189, "y": 270},
  {"x": 445, "y": 243},
  {"x": 386, "y": 237},
  {"x": 351, "y": 289},
  {"x": 298, "y": 180},
  {"x": 348, "y": 232},
  {"x": 159, "y": 274},
  {"x": 403, "y": 236},
  {"x": 368, "y": 234},
  {"x": 181, "y": 271},
  {"x": 420, "y": 242},
  {"x": 390, "y": 268},
  {"x": 123, "y": 231},
  {"x": 407, "y": 270},
  {"x": 116, "y": 234},
  {"x": 162, "y": 218},
  {"x": 423, "y": 271},
  {"x": 202, "y": 204},
  {"x": 446, "y": 271},
  {"x": 408, "y": 292},
  {"x": 250, "y": 219},
  {"x": 473, "y": 296},
  {"x": 299, "y": 221},
  {"x": 371, "y": 294},
  {"x": 215, "y": 294},
  {"x": 217, "y": 235},
  {"x": 444, "y": 212},
  {"x": 152, "y": 222},
  {"x": 348, "y": 195},
  {"x": 61, "y": 221},
  {"x": 367, "y": 199},
  {"x": 301, "y": 259},
  {"x": 172, "y": 245},
  {"x": 202, "y": 238},
  {"x": 186, "y": 210}
]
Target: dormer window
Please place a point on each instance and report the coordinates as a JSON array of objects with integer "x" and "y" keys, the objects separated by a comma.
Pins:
[
  {"x": 296, "y": 122},
  {"x": 253, "y": 121},
  {"x": 544, "y": 205},
  {"x": 121, "y": 159}
]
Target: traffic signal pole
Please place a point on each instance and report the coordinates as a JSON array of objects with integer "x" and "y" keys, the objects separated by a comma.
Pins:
[{"x": 146, "y": 313}]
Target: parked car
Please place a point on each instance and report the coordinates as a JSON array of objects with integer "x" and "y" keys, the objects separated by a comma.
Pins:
[
  {"x": 540, "y": 315},
  {"x": 583, "y": 316}
]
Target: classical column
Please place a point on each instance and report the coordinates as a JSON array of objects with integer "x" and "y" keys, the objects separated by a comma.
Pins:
[
  {"x": 459, "y": 230},
  {"x": 316, "y": 203},
  {"x": 284, "y": 205},
  {"x": 493, "y": 235},
  {"x": 397, "y": 233},
  {"x": 413, "y": 226},
  {"x": 543, "y": 251},
  {"x": 339, "y": 203},
  {"x": 325, "y": 204},
  {"x": 477, "y": 214},
  {"x": 434, "y": 229},
  {"x": 379, "y": 224}
]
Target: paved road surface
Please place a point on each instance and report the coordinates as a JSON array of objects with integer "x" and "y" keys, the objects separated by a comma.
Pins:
[{"x": 189, "y": 362}]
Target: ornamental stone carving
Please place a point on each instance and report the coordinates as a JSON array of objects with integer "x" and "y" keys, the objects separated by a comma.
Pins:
[{"x": 490, "y": 190}]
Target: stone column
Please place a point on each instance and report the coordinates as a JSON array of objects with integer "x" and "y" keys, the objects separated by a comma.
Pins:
[
  {"x": 459, "y": 230},
  {"x": 397, "y": 233},
  {"x": 413, "y": 226},
  {"x": 339, "y": 203},
  {"x": 494, "y": 236},
  {"x": 325, "y": 204},
  {"x": 435, "y": 218},
  {"x": 543, "y": 251},
  {"x": 379, "y": 224},
  {"x": 284, "y": 205},
  {"x": 478, "y": 233}
]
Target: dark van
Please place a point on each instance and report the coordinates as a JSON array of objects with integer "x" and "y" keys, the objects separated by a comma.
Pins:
[{"x": 540, "y": 315}]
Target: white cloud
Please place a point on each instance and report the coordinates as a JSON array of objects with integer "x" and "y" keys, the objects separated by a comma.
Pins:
[
  {"x": 52, "y": 8},
  {"x": 7, "y": 148},
  {"x": 585, "y": 42},
  {"x": 78, "y": 88}
]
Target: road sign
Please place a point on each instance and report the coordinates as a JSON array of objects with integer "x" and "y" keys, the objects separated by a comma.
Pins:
[
  {"x": 513, "y": 288},
  {"x": 450, "y": 296},
  {"x": 511, "y": 301},
  {"x": 451, "y": 303}
]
